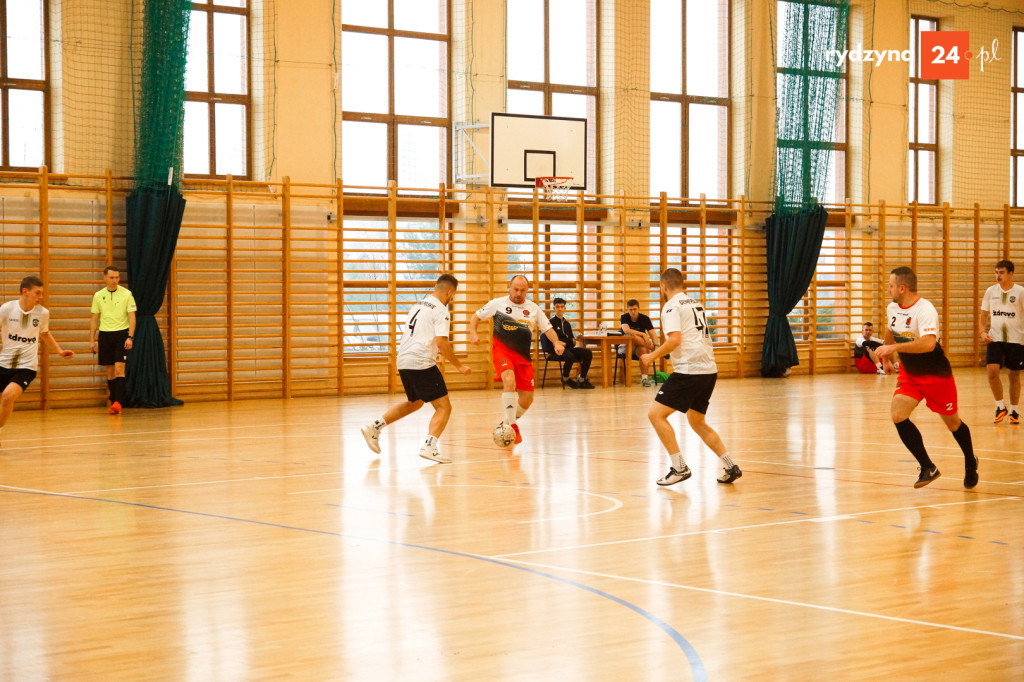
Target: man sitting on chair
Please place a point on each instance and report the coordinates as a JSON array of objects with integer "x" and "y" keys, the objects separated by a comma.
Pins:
[
  {"x": 638, "y": 326},
  {"x": 572, "y": 353},
  {"x": 864, "y": 353}
]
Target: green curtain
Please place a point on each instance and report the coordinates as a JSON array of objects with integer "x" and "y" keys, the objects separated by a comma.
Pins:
[
  {"x": 793, "y": 241},
  {"x": 155, "y": 206}
]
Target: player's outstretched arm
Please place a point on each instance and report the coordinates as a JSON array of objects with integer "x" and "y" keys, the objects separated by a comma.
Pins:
[
  {"x": 474, "y": 338},
  {"x": 66, "y": 354},
  {"x": 448, "y": 353},
  {"x": 553, "y": 338}
]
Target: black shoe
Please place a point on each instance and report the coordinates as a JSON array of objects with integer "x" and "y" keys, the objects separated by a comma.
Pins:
[
  {"x": 927, "y": 476},
  {"x": 569, "y": 382},
  {"x": 731, "y": 474},
  {"x": 585, "y": 384},
  {"x": 971, "y": 473}
]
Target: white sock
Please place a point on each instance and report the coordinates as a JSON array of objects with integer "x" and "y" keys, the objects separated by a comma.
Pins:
[
  {"x": 431, "y": 442},
  {"x": 643, "y": 377},
  {"x": 726, "y": 461},
  {"x": 677, "y": 461},
  {"x": 878, "y": 365},
  {"x": 379, "y": 423},
  {"x": 510, "y": 402},
  {"x": 1013, "y": 408},
  {"x": 1000, "y": 405},
  {"x": 520, "y": 410}
]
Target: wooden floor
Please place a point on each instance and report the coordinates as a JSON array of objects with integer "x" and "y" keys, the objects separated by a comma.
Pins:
[{"x": 262, "y": 540}]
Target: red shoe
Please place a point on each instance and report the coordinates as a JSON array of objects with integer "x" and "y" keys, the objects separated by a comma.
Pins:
[
  {"x": 519, "y": 436},
  {"x": 115, "y": 407}
]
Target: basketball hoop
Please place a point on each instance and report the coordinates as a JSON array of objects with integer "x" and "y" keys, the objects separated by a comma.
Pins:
[{"x": 556, "y": 188}]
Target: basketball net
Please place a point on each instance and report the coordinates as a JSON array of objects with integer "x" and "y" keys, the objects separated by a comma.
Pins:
[{"x": 555, "y": 188}]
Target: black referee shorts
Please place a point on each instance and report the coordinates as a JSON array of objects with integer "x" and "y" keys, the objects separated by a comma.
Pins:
[
  {"x": 112, "y": 347},
  {"x": 423, "y": 384},
  {"x": 1008, "y": 355},
  {"x": 683, "y": 392},
  {"x": 22, "y": 377}
]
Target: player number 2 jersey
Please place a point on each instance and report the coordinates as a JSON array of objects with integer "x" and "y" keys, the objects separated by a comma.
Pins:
[
  {"x": 426, "y": 320},
  {"x": 515, "y": 323},
  {"x": 22, "y": 334},
  {"x": 694, "y": 354},
  {"x": 1007, "y": 313},
  {"x": 909, "y": 324}
]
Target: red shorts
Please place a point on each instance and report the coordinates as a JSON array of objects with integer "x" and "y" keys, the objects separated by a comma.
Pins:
[
  {"x": 506, "y": 359},
  {"x": 864, "y": 365},
  {"x": 939, "y": 393}
]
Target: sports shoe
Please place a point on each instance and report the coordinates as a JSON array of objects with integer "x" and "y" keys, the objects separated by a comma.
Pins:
[
  {"x": 927, "y": 476},
  {"x": 434, "y": 455},
  {"x": 1014, "y": 418},
  {"x": 971, "y": 473},
  {"x": 372, "y": 435},
  {"x": 675, "y": 476},
  {"x": 115, "y": 407},
  {"x": 731, "y": 474},
  {"x": 585, "y": 384},
  {"x": 519, "y": 436},
  {"x": 880, "y": 371},
  {"x": 569, "y": 382},
  {"x": 1001, "y": 413},
  {"x": 646, "y": 383}
]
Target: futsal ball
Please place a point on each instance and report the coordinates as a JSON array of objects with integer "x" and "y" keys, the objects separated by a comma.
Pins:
[{"x": 504, "y": 435}]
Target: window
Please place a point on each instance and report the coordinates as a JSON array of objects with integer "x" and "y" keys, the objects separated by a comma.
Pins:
[
  {"x": 24, "y": 105},
  {"x": 689, "y": 98},
  {"x": 1017, "y": 107},
  {"x": 812, "y": 151},
  {"x": 394, "y": 93},
  {"x": 216, "y": 131},
  {"x": 922, "y": 156},
  {"x": 552, "y": 64}
]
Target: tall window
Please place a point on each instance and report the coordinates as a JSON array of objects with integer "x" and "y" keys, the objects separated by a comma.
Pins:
[
  {"x": 922, "y": 157},
  {"x": 551, "y": 46},
  {"x": 24, "y": 109},
  {"x": 815, "y": 149},
  {"x": 1017, "y": 106},
  {"x": 689, "y": 98},
  {"x": 394, "y": 92},
  {"x": 217, "y": 90}
]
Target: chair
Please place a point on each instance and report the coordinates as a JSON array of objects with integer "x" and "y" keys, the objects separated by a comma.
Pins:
[
  {"x": 549, "y": 357},
  {"x": 619, "y": 356}
]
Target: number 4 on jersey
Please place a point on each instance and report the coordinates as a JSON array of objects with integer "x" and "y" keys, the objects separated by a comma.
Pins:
[{"x": 701, "y": 321}]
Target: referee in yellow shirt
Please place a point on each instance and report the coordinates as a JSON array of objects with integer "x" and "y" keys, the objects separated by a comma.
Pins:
[{"x": 113, "y": 313}]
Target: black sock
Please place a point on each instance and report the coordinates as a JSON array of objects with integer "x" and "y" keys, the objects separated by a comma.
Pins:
[
  {"x": 911, "y": 437},
  {"x": 963, "y": 439},
  {"x": 110, "y": 388},
  {"x": 119, "y": 390}
]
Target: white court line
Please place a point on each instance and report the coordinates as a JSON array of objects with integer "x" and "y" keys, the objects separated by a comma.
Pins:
[
  {"x": 616, "y": 503},
  {"x": 770, "y": 600},
  {"x": 890, "y": 444},
  {"x": 806, "y": 519}
]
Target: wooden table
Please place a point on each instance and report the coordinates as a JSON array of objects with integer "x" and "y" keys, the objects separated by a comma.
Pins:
[{"x": 608, "y": 357}]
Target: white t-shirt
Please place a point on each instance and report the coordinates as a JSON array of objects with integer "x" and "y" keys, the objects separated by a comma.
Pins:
[
  {"x": 22, "y": 334},
  {"x": 515, "y": 323},
  {"x": 426, "y": 320},
  {"x": 1007, "y": 313},
  {"x": 694, "y": 354}
]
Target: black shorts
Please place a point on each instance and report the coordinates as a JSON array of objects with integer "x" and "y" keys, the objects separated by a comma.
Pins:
[
  {"x": 22, "y": 377},
  {"x": 112, "y": 347},
  {"x": 423, "y": 384},
  {"x": 682, "y": 392},
  {"x": 1008, "y": 355}
]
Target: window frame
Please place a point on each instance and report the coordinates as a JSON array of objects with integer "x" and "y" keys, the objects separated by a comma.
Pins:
[
  {"x": 391, "y": 119},
  {"x": 1016, "y": 150},
  {"x": 916, "y": 85},
  {"x": 211, "y": 97},
  {"x": 7, "y": 84},
  {"x": 685, "y": 100}
]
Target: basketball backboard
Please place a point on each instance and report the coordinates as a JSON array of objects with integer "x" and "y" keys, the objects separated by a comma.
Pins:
[{"x": 525, "y": 147}]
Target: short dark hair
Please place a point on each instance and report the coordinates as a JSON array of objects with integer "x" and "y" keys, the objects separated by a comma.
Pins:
[
  {"x": 906, "y": 277},
  {"x": 31, "y": 282},
  {"x": 447, "y": 280},
  {"x": 557, "y": 300},
  {"x": 867, "y": 324},
  {"x": 1005, "y": 264},
  {"x": 672, "y": 278},
  {"x": 632, "y": 302},
  {"x": 110, "y": 268}
]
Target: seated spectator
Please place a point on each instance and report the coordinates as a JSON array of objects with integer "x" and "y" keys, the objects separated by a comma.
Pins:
[
  {"x": 864, "y": 354},
  {"x": 638, "y": 326},
  {"x": 572, "y": 353}
]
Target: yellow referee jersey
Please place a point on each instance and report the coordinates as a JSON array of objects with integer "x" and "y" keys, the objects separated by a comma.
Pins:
[{"x": 113, "y": 308}]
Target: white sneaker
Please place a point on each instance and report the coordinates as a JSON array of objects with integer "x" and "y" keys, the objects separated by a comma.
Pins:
[
  {"x": 674, "y": 476},
  {"x": 646, "y": 383},
  {"x": 434, "y": 455},
  {"x": 372, "y": 435}
]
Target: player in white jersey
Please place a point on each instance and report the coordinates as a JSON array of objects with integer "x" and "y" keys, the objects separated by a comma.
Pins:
[
  {"x": 515, "y": 320},
  {"x": 689, "y": 388},
  {"x": 23, "y": 323},
  {"x": 426, "y": 333},
  {"x": 912, "y": 330},
  {"x": 1002, "y": 328}
]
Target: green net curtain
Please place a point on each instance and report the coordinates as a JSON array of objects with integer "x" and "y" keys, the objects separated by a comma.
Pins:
[{"x": 155, "y": 206}]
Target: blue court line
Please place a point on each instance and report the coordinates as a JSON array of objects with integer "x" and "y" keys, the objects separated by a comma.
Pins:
[{"x": 696, "y": 665}]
